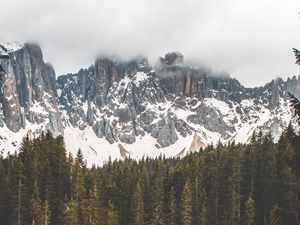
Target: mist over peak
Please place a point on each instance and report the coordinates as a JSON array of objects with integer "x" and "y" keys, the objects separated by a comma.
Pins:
[{"x": 223, "y": 35}]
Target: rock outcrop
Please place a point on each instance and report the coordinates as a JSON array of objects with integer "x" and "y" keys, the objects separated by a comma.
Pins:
[
  {"x": 183, "y": 80},
  {"x": 29, "y": 89}
]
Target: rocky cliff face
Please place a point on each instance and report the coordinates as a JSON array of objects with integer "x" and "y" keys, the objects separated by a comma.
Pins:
[
  {"x": 113, "y": 98},
  {"x": 171, "y": 109},
  {"x": 183, "y": 80},
  {"x": 29, "y": 89},
  {"x": 171, "y": 102}
]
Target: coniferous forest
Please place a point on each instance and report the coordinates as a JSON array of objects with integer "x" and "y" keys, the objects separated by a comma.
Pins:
[{"x": 255, "y": 183}]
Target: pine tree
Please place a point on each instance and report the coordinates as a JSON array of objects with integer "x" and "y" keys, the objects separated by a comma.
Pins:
[
  {"x": 186, "y": 205},
  {"x": 60, "y": 182},
  {"x": 199, "y": 200},
  {"x": 27, "y": 159},
  {"x": 275, "y": 216},
  {"x": 90, "y": 208},
  {"x": 137, "y": 206},
  {"x": 36, "y": 208},
  {"x": 297, "y": 55},
  {"x": 95, "y": 211},
  {"x": 253, "y": 138},
  {"x": 112, "y": 217},
  {"x": 17, "y": 209},
  {"x": 203, "y": 215},
  {"x": 264, "y": 188},
  {"x": 79, "y": 158},
  {"x": 249, "y": 215},
  {"x": 172, "y": 207},
  {"x": 157, "y": 199},
  {"x": 46, "y": 213},
  {"x": 248, "y": 169},
  {"x": 78, "y": 190},
  {"x": 147, "y": 190},
  {"x": 71, "y": 214},
  {"x": 295, "y": 103}
]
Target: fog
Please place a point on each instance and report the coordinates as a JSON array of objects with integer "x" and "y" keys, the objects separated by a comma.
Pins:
[{"x": 250, "y": 40}]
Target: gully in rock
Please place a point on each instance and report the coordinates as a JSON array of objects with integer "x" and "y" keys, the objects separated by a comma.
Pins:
[
  {"x": 2, "y": 71},
  {"x": 2, "y": 74}
]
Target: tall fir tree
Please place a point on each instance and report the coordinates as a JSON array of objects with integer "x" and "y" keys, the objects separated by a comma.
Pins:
[
  {"x": 172, "y": 207},
  {"x": 112, "y": 217},
  {"x": 186, "y": 205},
  {"x": 249, "y": 215},
  {"x": 275, "y": 218},
  {"x": 71, "y": 213},
  {"x": 297, "y": 55},
  {"x": 157, "y": 199},
  {"x": 137, "y": 206}
]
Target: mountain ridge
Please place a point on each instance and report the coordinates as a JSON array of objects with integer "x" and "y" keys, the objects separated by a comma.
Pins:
[{"x": 123, "y": 105}]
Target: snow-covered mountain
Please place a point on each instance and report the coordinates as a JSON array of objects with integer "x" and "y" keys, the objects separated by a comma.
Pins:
[{"x": 129, "y": 108}]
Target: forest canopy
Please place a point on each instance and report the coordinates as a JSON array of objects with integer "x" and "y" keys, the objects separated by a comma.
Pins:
[{"x": 255, "y": 183}]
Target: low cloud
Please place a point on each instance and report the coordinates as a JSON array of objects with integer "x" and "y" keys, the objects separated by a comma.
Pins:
[{"x": 251, "y": 40}]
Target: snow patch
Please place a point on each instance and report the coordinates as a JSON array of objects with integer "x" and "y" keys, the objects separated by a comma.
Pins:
[
  {"x": 12, "y": 46},
  {"x": 139, "y": 77}
]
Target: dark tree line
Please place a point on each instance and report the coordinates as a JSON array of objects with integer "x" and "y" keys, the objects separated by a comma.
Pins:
[{"x": 256, "y": 183}]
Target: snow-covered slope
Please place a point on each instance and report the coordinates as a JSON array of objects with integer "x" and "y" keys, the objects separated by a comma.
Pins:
[{"x": 117, "y": 109}]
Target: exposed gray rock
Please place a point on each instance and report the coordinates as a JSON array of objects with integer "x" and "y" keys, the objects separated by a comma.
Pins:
[
  {"x": 124, "y": 115},
  {"x": 167, "y": 134},
  {"x": 173, "y": 58},
  {"x": 99, "y": 128},
  {"x": 183, "y": 128},
  {"x": 29, "y": 82},
  {"x": 210, "y": 119},
  {"x": 127, "y": 135}
]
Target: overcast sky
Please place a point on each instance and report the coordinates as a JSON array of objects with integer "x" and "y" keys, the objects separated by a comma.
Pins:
[{"x": 252, "y": 40}]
